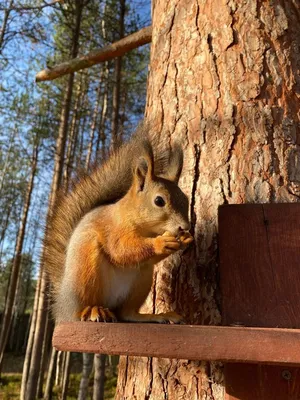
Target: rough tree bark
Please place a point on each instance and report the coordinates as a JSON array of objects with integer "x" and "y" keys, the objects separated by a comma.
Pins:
[{"x": 223, "y": 78}]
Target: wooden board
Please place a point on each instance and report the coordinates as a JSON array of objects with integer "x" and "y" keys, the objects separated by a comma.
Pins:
[
  {"x": 260, "y": 284},
  {"x": 281, "y": 346}
]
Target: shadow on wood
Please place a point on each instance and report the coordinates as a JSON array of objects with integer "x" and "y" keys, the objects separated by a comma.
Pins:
[{"x": 260, "y": 284}]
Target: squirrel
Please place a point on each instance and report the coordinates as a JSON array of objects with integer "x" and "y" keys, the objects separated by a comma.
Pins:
[{"x": 105, "y": 236}]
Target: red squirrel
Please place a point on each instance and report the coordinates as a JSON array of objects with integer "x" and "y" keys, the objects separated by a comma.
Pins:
[{"x": 106, "y": 235}]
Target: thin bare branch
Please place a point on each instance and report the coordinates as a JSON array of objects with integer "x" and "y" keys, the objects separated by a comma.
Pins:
[
  {"x": 31, "y": 8},
  {"x": 109, "y": 52}
]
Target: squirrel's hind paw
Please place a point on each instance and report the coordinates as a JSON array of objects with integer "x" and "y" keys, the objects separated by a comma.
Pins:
[
  {"x": 171, "y": 318},
  {"x": 97, "y": 314}
]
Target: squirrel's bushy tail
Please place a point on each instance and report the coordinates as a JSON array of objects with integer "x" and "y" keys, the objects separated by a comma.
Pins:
[{"x": 106, "y": 184}]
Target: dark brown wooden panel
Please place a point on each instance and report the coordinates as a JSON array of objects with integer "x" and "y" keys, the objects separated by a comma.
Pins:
[
  {"x": 260, "y": 284},
  {"x": 280, "y": 346}
]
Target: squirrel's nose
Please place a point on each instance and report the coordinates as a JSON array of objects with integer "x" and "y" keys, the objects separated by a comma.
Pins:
[{"x": 186, "y": 226}]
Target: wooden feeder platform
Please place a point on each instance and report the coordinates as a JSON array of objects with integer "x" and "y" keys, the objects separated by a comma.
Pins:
[
  {"x": 191, "y": 342},
  {"x": 260, "y": 285}
]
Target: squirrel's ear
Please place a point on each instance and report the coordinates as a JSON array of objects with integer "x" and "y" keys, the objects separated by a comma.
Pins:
[
  {"x": 175, "y": 164},
  {"x": 143, "y": 171}
]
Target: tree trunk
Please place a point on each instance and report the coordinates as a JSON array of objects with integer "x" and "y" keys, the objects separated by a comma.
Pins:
[
  {"x": 82, "y": 129},
  {"x": 101, "y": 139},
  {"x": 87, "y": 365},
  {"x": 59, "y": 368},
  {"x": 93, "y": 124},
  {"x": 35, "y": 362},
  {"x": 6, "y": 162},
  {"x": 66, "y": 375},
  {"x": 14, "y": 277},
  {"x": 223, "y": 78},
  {"x": 99, "y": 377},
  {"x": 45, "y": 353},
  {"x": 72, "y": 137},
  {"x": 117, "y": 84},
  {"x": 50, "y": 375},
  {"x": 4, "y": 24},
  {"x": 27, "y": 360}
]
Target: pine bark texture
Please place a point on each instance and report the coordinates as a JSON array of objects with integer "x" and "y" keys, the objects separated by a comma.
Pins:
[{"x": 224, "y": 79}]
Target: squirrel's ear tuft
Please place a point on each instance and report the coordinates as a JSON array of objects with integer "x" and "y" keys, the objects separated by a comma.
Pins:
[
  {"x": 175, "y": 164},
  {"x": 143, "y": 171}
]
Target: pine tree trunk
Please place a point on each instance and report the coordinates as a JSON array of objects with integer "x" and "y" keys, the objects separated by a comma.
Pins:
[
  {"x": 59, "y": 368},
  {"x": 87, "y": 365},
  {"x": 27, "y": 360},
  {"x": 117, "y": 84},
  {"x": 94, "y": 123},
  {"x": 14, "y": 277},
  {"x": 101, "y": 139},
  {"x": 72, "y": 137},
  {"x": 66, "y": 375},
  {"x": 45, "y": 353},
  {"x": 50, "y": 375},
  {"x": 99, "y": 377},
  {"x": 6, "y": 162},
  {"x": 4, "y": 24},
  {"x": 223, "y": 78}
]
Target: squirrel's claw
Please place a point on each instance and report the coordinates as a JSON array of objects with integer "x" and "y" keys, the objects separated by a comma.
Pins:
[
  {"x": 97, "y": 314},
  {"x": 165, "y": 244}
]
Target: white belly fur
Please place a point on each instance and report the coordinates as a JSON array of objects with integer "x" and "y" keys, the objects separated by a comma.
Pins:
[{"x": 117, "y": 284}]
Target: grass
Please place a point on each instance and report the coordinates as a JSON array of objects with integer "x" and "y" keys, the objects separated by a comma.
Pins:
[{"x": 10, "y": 386}]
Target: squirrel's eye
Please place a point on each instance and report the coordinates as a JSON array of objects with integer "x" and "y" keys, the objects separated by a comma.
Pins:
[{"x": 159, "y": 201}]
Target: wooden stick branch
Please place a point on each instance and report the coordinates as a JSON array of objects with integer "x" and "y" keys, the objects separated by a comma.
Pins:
[{"x": 109, "y": 52}]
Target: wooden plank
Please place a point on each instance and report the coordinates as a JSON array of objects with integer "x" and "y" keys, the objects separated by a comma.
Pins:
[
  {"x": 280, "y": 346},
  {"x": 260, "y": 284}
]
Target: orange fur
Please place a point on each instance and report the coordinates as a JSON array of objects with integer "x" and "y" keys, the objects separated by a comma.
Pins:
[
  {"x": 107, "y": 234},
  {"x": 89, "y": 286}
]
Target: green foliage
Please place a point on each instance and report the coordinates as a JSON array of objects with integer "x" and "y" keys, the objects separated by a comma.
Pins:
[{"x": 10, "y": 385}]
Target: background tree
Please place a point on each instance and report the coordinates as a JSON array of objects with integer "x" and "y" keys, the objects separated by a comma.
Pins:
[
  {"x": 15, "y": 270},
  {"x": 35, "y": 35},
  {"x": 223, "y": 78}
]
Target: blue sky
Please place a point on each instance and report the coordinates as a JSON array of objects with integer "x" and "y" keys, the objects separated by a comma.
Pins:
[{"x": 21, "y": 59}]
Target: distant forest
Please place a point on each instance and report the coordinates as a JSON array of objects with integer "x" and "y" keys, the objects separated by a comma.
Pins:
[{"x": 50, "y": 132}]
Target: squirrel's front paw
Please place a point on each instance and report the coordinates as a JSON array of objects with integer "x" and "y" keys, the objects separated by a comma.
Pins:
[
  {"x": 185, "y": 239},
  {"x": 97, "y": 314},
  {"x": 166, "y": 244}
]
